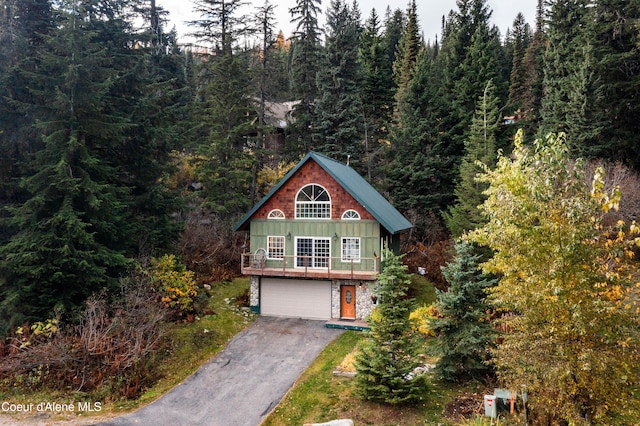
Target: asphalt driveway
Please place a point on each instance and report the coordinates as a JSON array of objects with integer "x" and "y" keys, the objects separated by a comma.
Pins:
[{"x": 245, "y": 381}]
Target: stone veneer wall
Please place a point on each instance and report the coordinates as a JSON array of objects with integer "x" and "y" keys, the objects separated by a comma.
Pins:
[
  {"x": 254, "y": 291},
  {"x": 364, "y": 304}
]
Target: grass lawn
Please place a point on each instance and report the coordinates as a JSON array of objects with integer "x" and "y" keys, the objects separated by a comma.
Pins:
[{"x": 318, "y": 396}]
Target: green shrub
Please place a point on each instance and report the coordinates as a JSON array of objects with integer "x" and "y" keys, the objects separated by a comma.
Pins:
[{"x": 176, "y": 284}]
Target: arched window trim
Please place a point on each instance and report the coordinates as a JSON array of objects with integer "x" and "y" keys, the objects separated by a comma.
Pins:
[
  {"x": 311, "y": 208},
  {"x": 351, "y": 214},
  {"x": 276, "y": 214}
]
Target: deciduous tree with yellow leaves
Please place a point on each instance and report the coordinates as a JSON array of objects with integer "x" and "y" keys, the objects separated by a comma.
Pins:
[{"x": 571, "y": 286}]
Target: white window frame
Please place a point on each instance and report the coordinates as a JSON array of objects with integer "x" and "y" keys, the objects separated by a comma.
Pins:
[
  {"x": 351, "y": 214},
  {"x": 350, "y": 254},
  {"x": 320, "y": 256},
  {"x": 311, "y": 208},
  {"x": 276, "y": 214},
  {"x": 276, "y": 245}
]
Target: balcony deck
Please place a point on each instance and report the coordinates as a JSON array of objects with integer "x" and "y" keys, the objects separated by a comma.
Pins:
[{"x": 366, "y": 269}]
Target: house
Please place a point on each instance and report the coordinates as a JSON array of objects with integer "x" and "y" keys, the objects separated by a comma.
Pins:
[{"x": 315, "y": 243}]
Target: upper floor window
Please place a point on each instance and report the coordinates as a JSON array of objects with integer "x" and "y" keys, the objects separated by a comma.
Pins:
[
  {"x": 351, "y": 249},
  {"x": 276, "y": 214},
  {"x": 351, "y": 215},
  {"x": 275, "y": 247},
  {"x": 313, "y": 202}
]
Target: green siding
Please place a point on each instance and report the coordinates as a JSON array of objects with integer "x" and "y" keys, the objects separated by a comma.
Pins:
[{"x": 367, "y": 230}]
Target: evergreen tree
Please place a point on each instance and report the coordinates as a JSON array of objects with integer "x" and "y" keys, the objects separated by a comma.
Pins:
[
  {"x": 72, "y": 228},
  {"x": 305, "y": 62},
  {"x": 422, "y": 166},
  {"x": 480, "y": 147},
  {"x": 463, "y": 328},
  {"x": 520, "y": 40},
  {"x": 428, "y": 141},
  {"x": 407, "y": 53},
  {"x": 377, "y": 89},
  {"x": 219, "y": 23},
  {"x": 472, "y": 60},
  {"x": 338, "y": 121},
  {"x": 533, "y": 63},
  {"x": 567, "y": 40},
  {"x": 152, "y": 92},
  {"x": 394, "y": 23},
  {"x": 616, "y": 51},
  {"x": 224, "y": 108},
  {"x": 387, "y": 357},
  {"x": 23, "y": 24}
]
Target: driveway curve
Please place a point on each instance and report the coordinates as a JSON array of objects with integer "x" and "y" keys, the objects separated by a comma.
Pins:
[{"x": 242, "y": 383}]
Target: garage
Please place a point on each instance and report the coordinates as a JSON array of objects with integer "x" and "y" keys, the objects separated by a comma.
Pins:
[{"x": 295, "y": 298}]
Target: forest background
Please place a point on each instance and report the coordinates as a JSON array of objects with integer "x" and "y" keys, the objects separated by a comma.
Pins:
[{"x": 119, "y": 144}]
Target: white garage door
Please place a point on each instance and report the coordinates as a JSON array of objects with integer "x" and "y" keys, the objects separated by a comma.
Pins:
[{"x": 295, "y": 298}]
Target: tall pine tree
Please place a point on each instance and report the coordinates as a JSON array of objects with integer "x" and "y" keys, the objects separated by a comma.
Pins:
[
  {"x": 225, "y": 110},
  {"x": 305, "y": 63},
  {"x": 339, "y": 119},
  {"x": 481, "y": 146},
  {"x": 71, "y": 229},
  {"x": 377, "y": 90}
]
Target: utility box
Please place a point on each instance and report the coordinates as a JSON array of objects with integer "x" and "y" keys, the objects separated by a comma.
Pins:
[
  {"x": 503, "y": 400},
  {"x": 490, "y": 408}
]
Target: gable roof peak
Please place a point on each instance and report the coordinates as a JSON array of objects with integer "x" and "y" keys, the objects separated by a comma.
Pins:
[{"x": 365, "y": 194}]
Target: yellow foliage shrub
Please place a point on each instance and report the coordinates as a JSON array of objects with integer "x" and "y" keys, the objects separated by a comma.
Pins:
[
  {"x": 176, "y": 284},
  {"x": 420, "y": 320}
]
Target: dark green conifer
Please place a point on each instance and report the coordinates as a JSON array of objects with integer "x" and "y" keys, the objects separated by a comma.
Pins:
[
  {"x": 338, "y": 123},
  {"x": 387, "y": 358},
  {"x": 480, "y": 147},
  {"x": 464, "y": 331}
]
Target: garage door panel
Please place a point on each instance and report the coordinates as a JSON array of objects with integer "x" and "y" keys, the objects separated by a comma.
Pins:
[{"x": 295, "y": 298}]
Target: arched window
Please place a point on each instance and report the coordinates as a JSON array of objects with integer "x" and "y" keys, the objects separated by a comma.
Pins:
[
  {"x": 276, "y": 214},
  {"x": 351, "y": 215},
  {"x": 313, "y": 202}
]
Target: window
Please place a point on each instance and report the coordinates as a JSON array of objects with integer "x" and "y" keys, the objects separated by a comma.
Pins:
[
  {"x": 350, "y": 215},
  {"x": 276, "y": 214},
  {"x": 313, "y": 252},
  {"x": 313, "y": 202},
  {"x": 351, "y": 249},
  {"x": 275, "y": 247}
]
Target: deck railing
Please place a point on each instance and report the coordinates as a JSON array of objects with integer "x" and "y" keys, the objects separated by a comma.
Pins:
[{"x": 310, "y": 266}]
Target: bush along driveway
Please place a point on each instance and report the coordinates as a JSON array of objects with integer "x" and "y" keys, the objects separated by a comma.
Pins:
[{"x": 245, "y": 381}]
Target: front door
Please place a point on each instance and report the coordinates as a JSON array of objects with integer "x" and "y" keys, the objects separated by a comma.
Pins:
[{"x": 348, "y": 302}]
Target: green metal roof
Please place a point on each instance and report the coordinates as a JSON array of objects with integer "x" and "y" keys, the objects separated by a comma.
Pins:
[{"x": 390, "y": 218}]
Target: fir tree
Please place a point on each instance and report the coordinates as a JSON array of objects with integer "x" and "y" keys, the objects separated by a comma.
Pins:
[
  {"x": 338, "y": 118},
  {"x": 394, "y": 23},
  {"x": 566, "y": 40},
  {"x": 219, "y": 23},
  {"x": 377, "y": 89},
  {"x": 521, "y": 36},
  {"x": 305, "y": 62},
  {"x": 23, "y": 26},
  {"x": 225, "y": 110},
  {"x": 422, "y": 162},
  {"x": 533, "y": 76},
  {"x": 616, "y": 52},
  {"x": 464, "y": 331},
  {"x": 480, "y": 147},
  {"x": 71, "y": 230},
  {"x": 407, "y": 53},
  {"x": 387, "y": 357}
]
